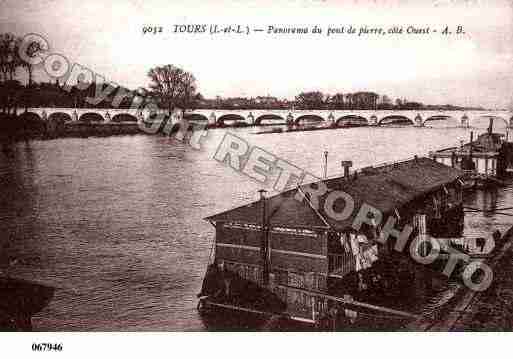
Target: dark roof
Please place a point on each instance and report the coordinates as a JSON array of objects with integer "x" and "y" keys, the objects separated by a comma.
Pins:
[
  {"x": 386, "y": 188},
  {"x": 486, "y": 142}
]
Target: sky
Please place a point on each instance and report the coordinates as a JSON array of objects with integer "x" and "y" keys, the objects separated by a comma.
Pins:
[{"x": 471, "y": 69}]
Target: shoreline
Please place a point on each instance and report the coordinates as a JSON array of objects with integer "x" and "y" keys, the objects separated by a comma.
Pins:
[{"x": 460, "y": 311}]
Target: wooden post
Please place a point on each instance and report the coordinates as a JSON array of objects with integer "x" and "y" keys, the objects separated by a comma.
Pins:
[
  {"x": 264, "y": 241},
  {"x": 325, "y": 164},
  {"x": 346, "y": 165},
  {"x": 471, "y": 143},
  {"x": 312, "y": 302}
]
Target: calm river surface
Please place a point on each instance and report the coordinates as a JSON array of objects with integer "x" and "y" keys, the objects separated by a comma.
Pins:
[{"x": 116, "y": 223}]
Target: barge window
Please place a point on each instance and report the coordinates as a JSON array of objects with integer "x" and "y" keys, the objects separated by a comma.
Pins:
[
  {"x": 251, "y": 227},
  {"x": 296, "y": 231},
  {"x": 256, "y": 227}
]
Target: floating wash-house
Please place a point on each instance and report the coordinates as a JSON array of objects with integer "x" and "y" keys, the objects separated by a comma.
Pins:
[
  {"x": 487, "y": 160},
  {"x": 310, "y": 259}
]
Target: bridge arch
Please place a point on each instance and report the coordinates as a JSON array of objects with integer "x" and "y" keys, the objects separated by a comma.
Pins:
[
  {"x": 195, "y": 117},
  {"x": 440, "y": 118},
  {"x": 268, "y": 117},
  {"x": 90, "y": 117},
  {"x": 31, "y": 122},
  {"x": 124, "y": 117},
  {"x": 351, "y": 121},
  {"x": 488, "y": 117},
  {"x": 154, "y": 118},
  {"x": 310, "y": 118},
  {"x": 29, "y": 116},
  {"x": 60, "y": 117},
  {"x": 237, "y": 120},
  {"x": 395, "y": 120},
  {"x": 57, "y": 122}
]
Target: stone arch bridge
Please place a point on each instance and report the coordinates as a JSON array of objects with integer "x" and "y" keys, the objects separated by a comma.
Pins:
[{"x": 227, "y": 118}]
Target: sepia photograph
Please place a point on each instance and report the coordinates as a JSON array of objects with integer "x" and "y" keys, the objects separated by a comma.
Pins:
[{"x": 242, "y": 166}]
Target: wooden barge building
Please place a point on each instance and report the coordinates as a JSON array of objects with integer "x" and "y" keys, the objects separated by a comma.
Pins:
[
  {"x": 286, "y": 256},
  {"x": 488, "y": 160}
]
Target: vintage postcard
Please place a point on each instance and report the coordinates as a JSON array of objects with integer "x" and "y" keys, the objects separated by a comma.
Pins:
[{"x": 243, "y": 166}]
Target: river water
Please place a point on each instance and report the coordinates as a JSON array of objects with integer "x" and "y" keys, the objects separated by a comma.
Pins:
[{"x": 116, "y": 223}]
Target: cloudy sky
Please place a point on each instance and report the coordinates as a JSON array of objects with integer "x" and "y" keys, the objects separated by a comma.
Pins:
[{"x": 471, "y": 69}]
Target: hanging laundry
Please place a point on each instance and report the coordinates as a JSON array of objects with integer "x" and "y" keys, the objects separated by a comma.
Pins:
[
  {"x": 355, "y": 247},
  {"x": 344, "y": 242},
  {"x": 370, "y": 256}
]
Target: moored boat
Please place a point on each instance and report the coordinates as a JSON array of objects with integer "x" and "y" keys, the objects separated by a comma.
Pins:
[
  {"x": 487, "y": 161},
  {"x": 316, "y": 260}
]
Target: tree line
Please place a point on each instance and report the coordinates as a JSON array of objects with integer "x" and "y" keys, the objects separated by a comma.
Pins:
[
  {"x": 12, "y": 92},
  {"x": 317, "y": 100},
  {"x": 170, "y": 87}
]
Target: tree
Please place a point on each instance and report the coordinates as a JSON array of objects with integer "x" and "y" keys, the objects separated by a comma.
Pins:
[
  {"x": 173, "y": 87},
  {"x": 337, "y": 101},
  {"x": 413, "y": 105},
  {"x": 313, "y": 100},
  {"x": 349, "y": 100},
  {"x": 10, "y": 61},
  {"x": 365, "y": 100},
  {"x": 373, "y": 100},
  {"x": 386, "y": 101},
  {"x": 33, "y": 49}
]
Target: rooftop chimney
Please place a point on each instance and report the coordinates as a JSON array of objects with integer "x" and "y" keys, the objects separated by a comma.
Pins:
[{"x": 346, "y": 165}]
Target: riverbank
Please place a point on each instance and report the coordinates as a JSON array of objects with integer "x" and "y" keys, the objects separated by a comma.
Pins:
[
  {"x": 489, "y": 310},
  {"x": 306, "y": 129},
  {"x": 20, "y": 301},
  {"x": 23, "y": 128},
  {"x": 470, "y": 310},
  {"x": 77, "y": 129},
  {"x": 27, "y": 127}
]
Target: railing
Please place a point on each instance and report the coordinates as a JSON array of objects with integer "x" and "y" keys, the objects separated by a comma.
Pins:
[
  {"x": 340, "y": 264},
  {"x": 379, "y": 166},
  {"x": 393, "y": 163}
]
